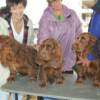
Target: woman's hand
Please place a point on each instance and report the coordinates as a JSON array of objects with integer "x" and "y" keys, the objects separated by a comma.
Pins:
[{"x": 83, "y": 61}]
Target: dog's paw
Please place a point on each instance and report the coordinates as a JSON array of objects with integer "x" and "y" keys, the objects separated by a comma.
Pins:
[
  {"x": 11, "y": 78},
  {"x": 96, "y": 84},
  {"x": 43, "y": 84},
  {"x": 60, "y": 80},
  {"x": 79, "y": 80},
  {"x": 33, "y": 78}
]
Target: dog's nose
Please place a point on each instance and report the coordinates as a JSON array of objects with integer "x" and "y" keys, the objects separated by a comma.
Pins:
[{"x": 43, "y": 54}]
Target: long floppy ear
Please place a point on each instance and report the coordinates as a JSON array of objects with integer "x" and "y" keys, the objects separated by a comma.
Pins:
[
  {"x": 56, "y": 47},
  {"x": 58, "y": 52},
  {"x": 2, "y": 38},
  {"x": 96, "y": 49},
  {"x": 92, "y": 40}
]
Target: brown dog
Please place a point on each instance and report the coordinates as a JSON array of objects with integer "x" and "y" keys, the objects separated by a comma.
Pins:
[
  {"x": 18, "y": 57},
  {"x": 50, "y": 59},
  {"x": 84, "y": 45}
]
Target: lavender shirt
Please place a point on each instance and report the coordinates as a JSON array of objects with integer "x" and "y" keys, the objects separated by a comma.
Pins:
[{"x": 64, "y": 32}]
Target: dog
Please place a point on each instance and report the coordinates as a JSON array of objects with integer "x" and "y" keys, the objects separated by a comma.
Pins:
[
  {"x": 81, "y": 47},
  {"x": 19, "y": 58},
  {"x": 50, "y": 58},
  {"x": 84, "y": 44}
]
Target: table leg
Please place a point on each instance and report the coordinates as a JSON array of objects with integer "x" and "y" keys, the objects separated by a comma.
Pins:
[{"x": 16, "y": 96}]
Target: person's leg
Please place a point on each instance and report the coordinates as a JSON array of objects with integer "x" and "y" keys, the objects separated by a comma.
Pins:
[
  {"x": 20, "y": 96},
  {"x": 15, "y": 96},
  {"x": 40, "y": 98},
  {"x": 4, "y": 95}
]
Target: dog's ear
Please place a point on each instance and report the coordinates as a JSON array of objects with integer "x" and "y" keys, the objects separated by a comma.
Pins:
[
  {"x": 56, "y": 49},
  {"x": 96, "y": 49},
  {"x": 38, "y": 60},
  {"x": 92, "y": 40},
  {"x": 2, "y": 38}
]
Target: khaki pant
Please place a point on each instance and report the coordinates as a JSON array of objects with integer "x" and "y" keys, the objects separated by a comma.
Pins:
[{"x": 25, "y": 97}]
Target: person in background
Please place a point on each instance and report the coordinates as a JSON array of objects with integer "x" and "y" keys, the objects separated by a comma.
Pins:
[
  {"x": 94, "y": 26},
  {"x": 94, "y": 29},
  {"x": 62, "y": 24},
  {"x": 17, "y": 25}
]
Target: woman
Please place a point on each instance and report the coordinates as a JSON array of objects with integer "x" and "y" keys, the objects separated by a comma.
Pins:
[
  {"x": 61, "y": 23},
  {"x": 14, "y": 23}
]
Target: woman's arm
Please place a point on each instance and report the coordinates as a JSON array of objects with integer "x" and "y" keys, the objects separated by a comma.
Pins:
[
  {"x": 3, "y": 27},
  {"x": 43, "y": 29}
]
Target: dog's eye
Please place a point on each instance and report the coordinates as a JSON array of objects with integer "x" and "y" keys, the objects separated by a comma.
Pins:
[
  {"x": 83, "y": 38},
  {"x": 77, "y": 38},
  {"x": 49, "y": 47}
]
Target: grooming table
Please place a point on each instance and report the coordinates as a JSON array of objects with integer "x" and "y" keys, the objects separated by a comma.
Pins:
[{"x": 69, "y": 90}]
